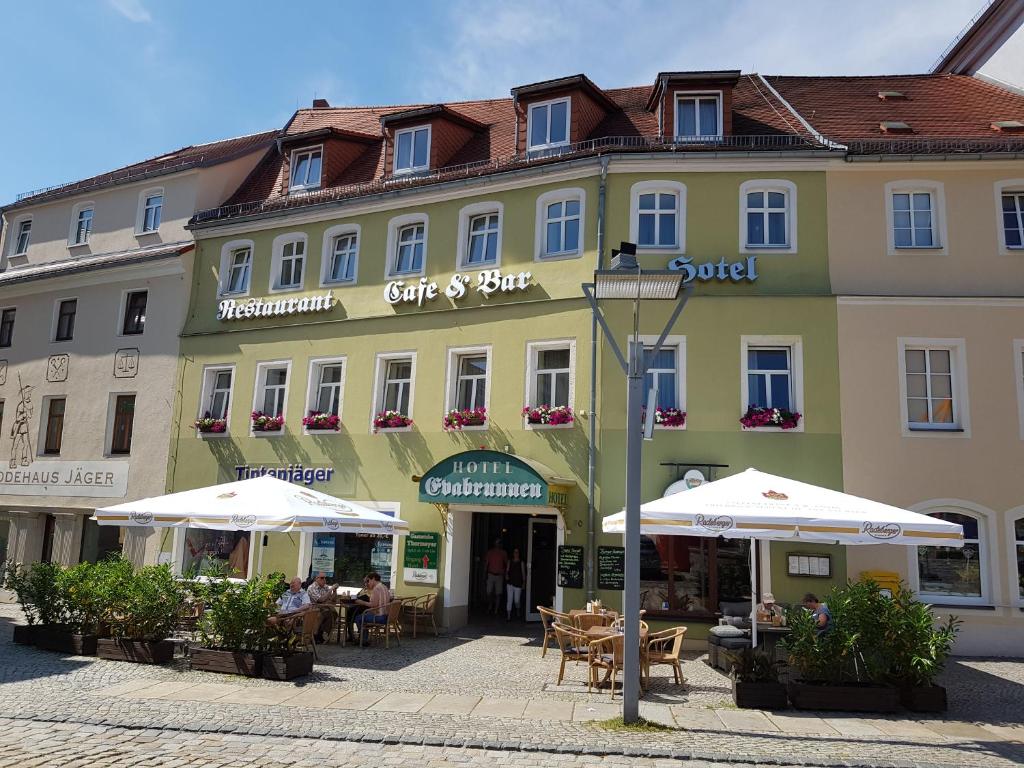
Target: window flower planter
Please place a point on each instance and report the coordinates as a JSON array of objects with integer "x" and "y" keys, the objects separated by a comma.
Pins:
[
  {"x": 757, "y": 417},
  {"x": 390, "y": 420},
  {"x": 209, "y": 425},
  {"x": 262, "y": 422},
  {"x": 322, "y": 422},
  {"x": 669, "y": 417},
  {"x": 548, "y": 416},
  {"x": 454, "y": 421}
]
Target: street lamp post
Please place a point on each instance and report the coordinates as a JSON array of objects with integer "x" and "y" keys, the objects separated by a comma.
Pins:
[{"x": 626, "y": 280}]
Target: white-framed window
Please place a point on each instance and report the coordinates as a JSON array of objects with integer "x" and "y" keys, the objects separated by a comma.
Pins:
[
  {"x": 1017, "y": 556},
  {"x": 933, "y": 386},
  {"x": 407, "y": 245},
  {"x": 21, "y": 237},
  {"x": 81, "y": 224},
  {"x": 698, "y": 115},
  {"x": 1010, "y": 215},
  {"x": 151, "y": 210},
  {"x": 305, "y": 169},
  {"x": 215, "y": 398},
  {"x": 340, "y": 255},
  {"x": 236, "y": 267},
  {"x": 288, "y": 262},
  {"x": 1018, "y": 370},
  {"x": 412, "y": 150},
  {"x": 767, "y": 216},
  {"x": 954, "y": 575},
  {"x": 469, "y": 378},
  {"x": 561, "y": 221},
  {"x": 772, "y": 375},
  {"x": 916, "y": 214},
  {"x": 547, "y": 124},
  {"x": 326, "y": 385},
  {"x": 271, "y": 394},
  {"x": 550, "y": 373},
  {"x": 394, "y": 384},
  {"x": 480, "y": 226},
  {"x": 666, "y": 371},
  {"x": 657, "y": 220}
]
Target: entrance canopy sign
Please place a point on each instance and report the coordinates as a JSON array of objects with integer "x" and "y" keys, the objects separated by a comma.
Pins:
[{"x": 484, "y": 477}]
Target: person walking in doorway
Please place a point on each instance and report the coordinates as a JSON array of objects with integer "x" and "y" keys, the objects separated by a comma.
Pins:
[
  {"x": 515, "y": 576},
  {"x": 497, "y": 564}
]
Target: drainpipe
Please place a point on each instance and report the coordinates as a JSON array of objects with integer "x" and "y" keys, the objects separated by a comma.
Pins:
[{"x": 591, "y": 469}]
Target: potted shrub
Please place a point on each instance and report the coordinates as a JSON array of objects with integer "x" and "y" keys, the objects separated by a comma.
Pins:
[
  {"x": 546, "y": 415},
  {"x": 283, "y": 660},
  {"x": 209, "y": 425},
  {"x": 15, "y": 577},
  {"x": 757, "y": 416},
  {"x": 755, "y": 680},
  {"x": 467, "y": 417},
  {"x": 233, "y": 631},
  {"x": 143, "y": 608},
  {"x": 68, "y": 607},
  {"x": 264, "y": 422},
  {"x": 318, "y": 421},
  {"x": 390, "y": 420}
]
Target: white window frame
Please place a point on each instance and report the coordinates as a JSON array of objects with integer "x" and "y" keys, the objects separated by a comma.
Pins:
[
  {"x": 327, "y": 254},
  {"x": 1006, "y": 186},
  {"x": 1018, "y": 369},
  {"x": 787, "y": 188},
  {"x": 533, "y": 350},
  {"x": 140, "y": 215},
  {"x": 686, "y": 95},
  {"x": 989, "y": 586},
  {"x": 451, "y": 385},
  {"x": 209, "y": 382},
  {"x": 540, "y": 234},
  {"x": 291, "y": 167},
  {"x": 226, "y": 253},
  {"x": 466, "y": 215},
  {"x": 258, "y": 391},
  {"x": 123, "y": 307},
  {"x": 395, "y": 170},
  {"x": 380, "y": 371},
  {"x": 936, "y": 189},
  {"x": 567, "y": 100},
  {"x": 76, "y": 211},
  {"x": 316, "y": 365},
  {"x": 655, "y": 186},
  {"x": 56, "y": 318},
  {"x": 277, "y": 257},
  {"x": 678, "y": 343},
  {"x": 395, "y": 225},
  {"x": 796, "y": 373},
  {"x": 15, "y": 236},
  {"x": 1012, "y": 516},
  {"x": 961, "y": 426}
]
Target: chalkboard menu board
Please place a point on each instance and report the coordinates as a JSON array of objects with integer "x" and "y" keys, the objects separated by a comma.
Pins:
[
  {"x": 570, "y": 566},
  {"x": 611, "y": 568}
]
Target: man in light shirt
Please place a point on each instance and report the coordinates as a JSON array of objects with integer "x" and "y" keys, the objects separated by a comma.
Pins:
[
  {"x": 293, "y": 600},
  {"x": 322, "y": 595},
  {"x": 376, "y": 606}
]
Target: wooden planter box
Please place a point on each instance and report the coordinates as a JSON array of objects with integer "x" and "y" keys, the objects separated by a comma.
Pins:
[
  {"x": 287, "y": 667},
  {"x": 762, "y": 695},
  {"x": 926, "y": 698},
  {"x": 847, "y": 698},
  {"x": 63, "y": 641},
  {"x": 139, "y": 651},
  {"x": 24, "y": 634},
  {"x": 226, "y": 662}
]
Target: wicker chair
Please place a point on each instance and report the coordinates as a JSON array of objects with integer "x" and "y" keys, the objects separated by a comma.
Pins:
[
  {"x": 388, "y": 628},
  {"x": 548, "y": 618},
  {"x": 585, "y": 621},
  {"x": 665, "y": 647},
  {"x": 306, "y": 626},
  {"x": 605, "y": 654},
  {"x": 573, "y": 644},
  {"x": 421, "y": 608}
]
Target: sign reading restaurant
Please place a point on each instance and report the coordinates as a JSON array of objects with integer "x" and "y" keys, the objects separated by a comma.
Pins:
[
  {"x": 232, "y": 309},
  {"x": 483, "y": 477}
]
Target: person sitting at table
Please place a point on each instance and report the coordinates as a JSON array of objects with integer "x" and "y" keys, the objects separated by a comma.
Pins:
[
  {"x": 819, "y": 612},
  {"x": 291, "y": 605},
  {"x": 768, "y": 610},
  {"x": 376, "y": 606},
  {"x": 322, "y": 595},
  {"x": 354, "y": 608}
]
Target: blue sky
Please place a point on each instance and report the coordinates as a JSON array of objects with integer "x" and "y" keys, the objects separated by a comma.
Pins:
[{"x": 96, "y": 84}]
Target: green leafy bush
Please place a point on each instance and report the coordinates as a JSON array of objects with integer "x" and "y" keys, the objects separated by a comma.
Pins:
[
  {"x": 917, "y": 648},
  {"x": 15, "y": 578},
  {"x": 142, "y": 605},
  {"x": 235, "y": 613}
]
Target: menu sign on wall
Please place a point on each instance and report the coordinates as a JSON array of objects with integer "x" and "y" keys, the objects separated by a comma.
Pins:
[
  {"x": 570, "y": 566},
  {"x": 323, "y": 554},
  {"x": 611, "y": 568},
  {"x": 422, "y": 549}
]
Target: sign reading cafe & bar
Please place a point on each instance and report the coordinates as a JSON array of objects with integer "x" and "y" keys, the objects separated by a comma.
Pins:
[
  {"x": 483, "y": 477},
  {"x": 488, "y": 282}
]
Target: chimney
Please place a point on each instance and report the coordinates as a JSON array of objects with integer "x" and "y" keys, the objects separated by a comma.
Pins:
[{"x": 321, "y": 104}]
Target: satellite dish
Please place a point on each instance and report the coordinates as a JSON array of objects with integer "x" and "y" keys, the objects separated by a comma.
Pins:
[{"x": 692, "y": 479}]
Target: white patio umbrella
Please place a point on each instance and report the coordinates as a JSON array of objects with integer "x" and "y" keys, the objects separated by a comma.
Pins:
[{"x": 755, "y": 505}]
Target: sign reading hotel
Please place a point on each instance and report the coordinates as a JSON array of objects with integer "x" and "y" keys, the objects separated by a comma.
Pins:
[
  {"x": 483, "y": 477},
  {"x": 731, "y": 271},
  {"x": 488, "y": 282},
  {"x": 244, "y": 309}
]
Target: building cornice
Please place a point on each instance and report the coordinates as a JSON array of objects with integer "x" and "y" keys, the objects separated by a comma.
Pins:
[{"x": 926, "y": 301}]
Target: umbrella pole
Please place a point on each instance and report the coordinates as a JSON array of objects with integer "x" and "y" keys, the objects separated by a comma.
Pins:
[
  {"x": 259, "y": 557},
  {"x": 753, "y": 593}
]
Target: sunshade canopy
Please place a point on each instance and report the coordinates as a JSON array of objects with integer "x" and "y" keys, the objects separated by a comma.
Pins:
[
  {"x": 756, "y": 505},
  {"x": 259, "y": 504}
]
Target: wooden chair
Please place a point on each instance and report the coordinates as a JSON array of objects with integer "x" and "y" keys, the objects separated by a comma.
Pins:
[
  {"x": 585, "y": 621},
  {"x": 573, "y": 644},
  {"x": 665, "y": 647},
  {"x": 421, "y": 608},
  {"x": 547, "y": 619},
  {"x": 392, "y": 626},
  {"x": 605, "y": 654},
  {"x": 306, "y": 626}
]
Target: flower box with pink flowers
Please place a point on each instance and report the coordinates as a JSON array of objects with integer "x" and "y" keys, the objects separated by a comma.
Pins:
[
  {"x": 548, "y": 416},
  {"x": 669, "y": 417},
  {"x": 262, "y": 422},
  {"x": 457, "y": 420},
  {"x": 387, "y": 420},
  {"x": 208, "y": 425},
  {"x": 758, "y": 417},
  {"x": 321, "y": 422}
]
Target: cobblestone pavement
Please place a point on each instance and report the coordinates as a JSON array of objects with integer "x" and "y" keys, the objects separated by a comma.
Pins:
[{"x": 462, "y": 697}]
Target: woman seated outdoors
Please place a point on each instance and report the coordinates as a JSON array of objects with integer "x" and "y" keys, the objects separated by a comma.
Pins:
[{"x": 376, "y": 605}]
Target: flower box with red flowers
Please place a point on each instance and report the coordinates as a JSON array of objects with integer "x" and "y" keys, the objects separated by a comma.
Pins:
[
  {"x": 669, "y": 417},
  {"x": 457, "y": 420},
  {"x": 262, "y": 422},
  {"x": 548, "y": 416},
  {"x": 386, "y": 420},
  {"x": 209, "y": 425},
  {"x": 757, "y": 417},
  {"x": 321, "y": 422}
]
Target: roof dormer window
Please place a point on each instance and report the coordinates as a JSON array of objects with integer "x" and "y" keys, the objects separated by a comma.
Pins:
[
  {"x": 548, "y": 124},
  {"x": 305, "y": 169},
  {"x": 698, "y": 115},
  {"x": 412, "y": 150}
]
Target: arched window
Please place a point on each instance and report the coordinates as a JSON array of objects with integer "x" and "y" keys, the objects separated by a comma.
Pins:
[
  {"x": 657, "y": 219},
  {"x": 955, "y": 575}
]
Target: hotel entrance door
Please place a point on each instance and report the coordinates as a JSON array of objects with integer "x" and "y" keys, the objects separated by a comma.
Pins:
[{"x": 542, "y": 549}]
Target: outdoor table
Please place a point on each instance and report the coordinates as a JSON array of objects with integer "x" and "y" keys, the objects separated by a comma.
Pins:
[
  {"x": 599, "y": 633},
  {"x": 768, "y": 636},
  {"x": 341, "y": 608}
]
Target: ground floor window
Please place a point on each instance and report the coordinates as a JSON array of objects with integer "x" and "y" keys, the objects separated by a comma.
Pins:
[
  {"x": 953, "y": 572},
  {"x": 99, "y": 541},
  {"x": 49, "y": 526},
  {"x": 345, "y": 558},
  {"x": 5, "y": 529},
  {"x": 221, "y": 551},
  {"x": 1018, "y": 537},
  {"x": 694, "y": 575}
]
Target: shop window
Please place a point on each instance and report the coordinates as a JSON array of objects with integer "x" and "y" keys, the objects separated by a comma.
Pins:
[
  {"x": 65, "y": 323},
  {"x": 328, "y": 381},
  {"x": 271, "y": 388},
  {"x": 694, "y": 575},
  {"x": 1018, "y": 546},
  {"x": 954, "y": 574},
  {"x": 134, "y": 321},
  {"x": 7, "y": 327},
  {"x": 412, "y": 150},
  {"x": 49, "y": 527},
  {"x": 345, "y": 558},
  {"x": 216, "y": 398},
  {"x": 551, "y": 374},
  {"x": 215, "y": 552},
  {"x": 99, "y": 541},
  {"x": 54, "y": 428},
  {"x": 698, "y": 115},
  {"x": 124, "y": 418},
  {"x": 5, "y": 533}
]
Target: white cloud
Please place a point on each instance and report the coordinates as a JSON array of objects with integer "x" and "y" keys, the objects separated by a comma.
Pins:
[{"x": 133, "y": 10}]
